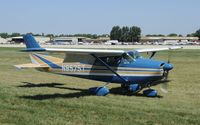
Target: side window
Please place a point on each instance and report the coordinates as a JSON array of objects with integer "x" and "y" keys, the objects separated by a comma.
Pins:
[{"x": 110, "y": 60}]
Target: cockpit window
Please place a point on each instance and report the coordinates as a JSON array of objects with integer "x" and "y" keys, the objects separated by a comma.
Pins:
[
  {"x": 110, "y": 60},
  {"x": 125, "y": 58},
  {"x": 130, "y": 56},
  {"x": 134, "y": 54}
]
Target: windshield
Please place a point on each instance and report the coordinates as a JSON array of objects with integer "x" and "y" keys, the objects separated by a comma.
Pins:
[
  {"x": 134, "y": 54},
  {"x": 125, "y": 58},
  {"x": 130, "y": 56}
]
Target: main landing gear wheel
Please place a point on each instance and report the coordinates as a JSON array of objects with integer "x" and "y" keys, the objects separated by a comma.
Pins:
[
  {"x": 130, "y": 89},
  {"x": 99, "y": 91}
]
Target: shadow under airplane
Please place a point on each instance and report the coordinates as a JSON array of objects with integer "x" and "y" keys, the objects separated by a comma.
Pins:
[{"x": 81, "y": 93}]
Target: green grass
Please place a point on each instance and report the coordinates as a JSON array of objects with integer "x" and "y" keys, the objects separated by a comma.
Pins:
[{"x": 30, "y": 97}]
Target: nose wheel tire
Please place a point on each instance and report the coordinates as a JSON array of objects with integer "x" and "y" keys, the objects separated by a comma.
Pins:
[{"x": 150, "y": 93}]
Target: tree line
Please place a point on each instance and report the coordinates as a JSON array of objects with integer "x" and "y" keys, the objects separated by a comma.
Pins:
[
  {"x": 92, "y": 36},
  {"x": 195, "y": 34},
  {"x": 126, "y": 34},
  {"x": 161, "y": 35},
  {"x": 133, "y": 34},
  {"x": 6, "y": 35}
]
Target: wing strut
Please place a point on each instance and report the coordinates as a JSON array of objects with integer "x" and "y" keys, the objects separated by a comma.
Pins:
[
  {"x": 152, "y": 55},
  {"x": 108, "y": 67}
]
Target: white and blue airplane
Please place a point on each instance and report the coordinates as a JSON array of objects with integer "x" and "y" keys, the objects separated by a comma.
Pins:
[{"x": 127, "y": 68}]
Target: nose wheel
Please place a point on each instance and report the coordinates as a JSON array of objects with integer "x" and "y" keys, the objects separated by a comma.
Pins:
[
  {"x": 150, "y": 93},
  {"x": 126, "y": 89}
]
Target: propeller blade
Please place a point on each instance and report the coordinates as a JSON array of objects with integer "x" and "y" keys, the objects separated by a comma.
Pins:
[
  {"x": 169, "y": 56},
  {"x": 168, "y": 61},
  {"x": 164, "y": 87},
  {"x": 165, "y": 75},
  {"x": 164, "y": 83}
]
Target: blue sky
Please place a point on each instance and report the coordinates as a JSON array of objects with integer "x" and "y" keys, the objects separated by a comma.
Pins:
[{"x": 99, "y": 16}]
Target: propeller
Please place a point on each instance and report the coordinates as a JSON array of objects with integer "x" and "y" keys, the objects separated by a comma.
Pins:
[
  {"x": 165, "y": 75},
  {"x": 164, "y": 82},
  {"x": 169, "y": 56},
  {"x": 164, "y": 87}
]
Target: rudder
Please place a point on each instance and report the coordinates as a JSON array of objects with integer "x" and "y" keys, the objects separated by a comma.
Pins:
[{"x": 31, "y": 43}]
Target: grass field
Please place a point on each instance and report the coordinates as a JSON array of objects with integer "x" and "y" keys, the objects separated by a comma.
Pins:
[{"x": 30, "y": 97}]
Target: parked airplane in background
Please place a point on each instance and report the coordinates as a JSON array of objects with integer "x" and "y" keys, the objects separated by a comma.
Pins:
[{"x": 127, "y": 68}]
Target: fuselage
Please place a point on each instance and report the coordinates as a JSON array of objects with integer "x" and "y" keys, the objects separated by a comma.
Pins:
[
  {"x": 124, "y": 69},
  {"x": 140, "y": 71}
]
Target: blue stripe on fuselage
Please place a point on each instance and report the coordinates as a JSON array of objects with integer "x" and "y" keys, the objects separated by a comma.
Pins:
[{"x": 51, "y": 64}]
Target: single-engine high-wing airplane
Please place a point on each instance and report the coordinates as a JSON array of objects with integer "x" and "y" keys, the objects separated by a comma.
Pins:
[{"x": 127, "y": 68}]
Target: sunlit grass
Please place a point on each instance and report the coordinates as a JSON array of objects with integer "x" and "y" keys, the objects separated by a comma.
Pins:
[{"x": 30, "y": 97}]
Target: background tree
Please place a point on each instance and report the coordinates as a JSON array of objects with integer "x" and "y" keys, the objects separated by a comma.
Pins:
[
  {"x": 197, "y": 33},
  {"x": 15, "y": 34},
  {"x": 49, "y": 35},
  {"x": 37, "y": 34},
  {"x": 115, "y": 33},
  {"x": 155, "y": 35},
  {"x": 172, "y": 35},
  {"x": 4, "y": 35},
  {"x": 134, "y": 34},
  {"x": 125, "y": 34},
  {"x": 189, "y": 35}
]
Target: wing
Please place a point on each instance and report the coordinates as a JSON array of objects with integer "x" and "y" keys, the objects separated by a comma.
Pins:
[
  {"x": 80, "y": 55},
  {"x": 158, "y": 49},
  {"x": 107, "y": 52},
  {"x": 84, "y": 55},
  {"x": 86, "y": 51},
  {"x": 32, "y": 45}
]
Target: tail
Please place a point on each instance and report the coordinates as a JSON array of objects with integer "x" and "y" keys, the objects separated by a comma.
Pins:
[
  {"x": 31, "y": 43},
  {"x": 40, "y": 61}
]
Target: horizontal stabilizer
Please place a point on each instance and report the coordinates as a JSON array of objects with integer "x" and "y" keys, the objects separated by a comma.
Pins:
[{"x": 29, "y": 65}]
